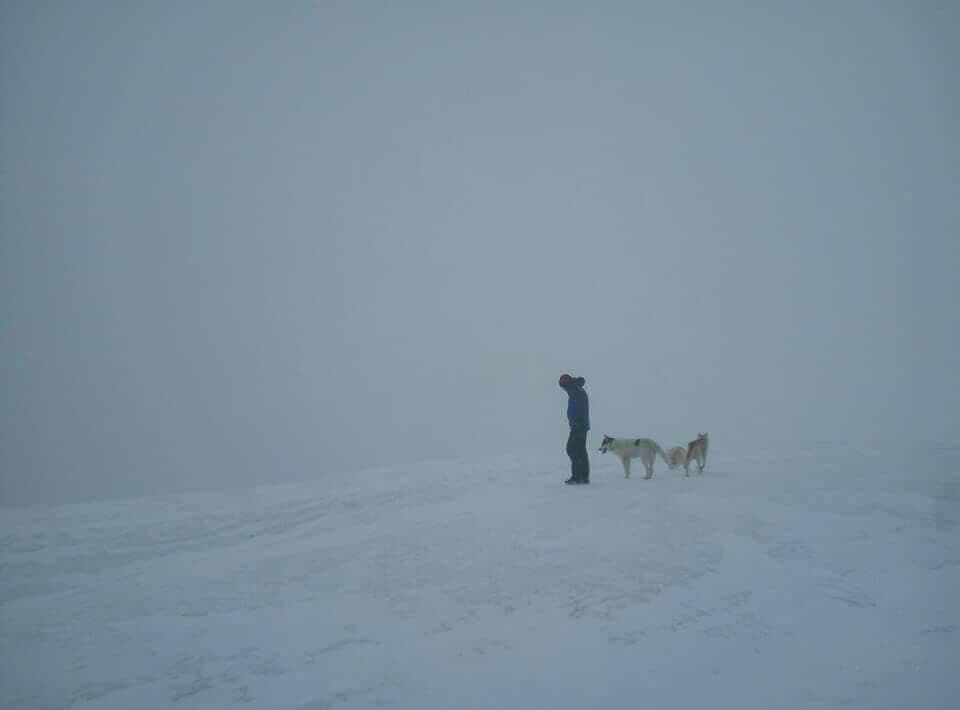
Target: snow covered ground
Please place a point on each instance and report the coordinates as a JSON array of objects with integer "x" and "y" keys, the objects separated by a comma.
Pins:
[{"x": 821, "y": 577}]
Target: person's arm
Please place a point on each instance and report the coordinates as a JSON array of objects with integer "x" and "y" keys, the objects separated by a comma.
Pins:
[{"x": 579, "y": 418}]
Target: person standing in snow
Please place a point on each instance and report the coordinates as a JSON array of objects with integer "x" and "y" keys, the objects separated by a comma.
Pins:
[{"x": 578, "y": 415}]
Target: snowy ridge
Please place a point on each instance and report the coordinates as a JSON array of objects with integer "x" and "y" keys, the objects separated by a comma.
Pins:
[{"x": 813, "y": 578}]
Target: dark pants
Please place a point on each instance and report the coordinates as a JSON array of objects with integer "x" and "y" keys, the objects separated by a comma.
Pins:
[{"x": 577, "y": 451}]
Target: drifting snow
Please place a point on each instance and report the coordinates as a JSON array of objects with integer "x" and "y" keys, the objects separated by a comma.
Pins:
[{"x": 809, "y": 579}]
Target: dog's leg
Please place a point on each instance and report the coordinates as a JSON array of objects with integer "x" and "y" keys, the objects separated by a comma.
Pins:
[
  {"x": 649, "y": 465},
  {"x": 626, "y": 467}
]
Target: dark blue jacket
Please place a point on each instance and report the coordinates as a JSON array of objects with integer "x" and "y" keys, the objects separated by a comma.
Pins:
[{"x": 578, "y": 407}]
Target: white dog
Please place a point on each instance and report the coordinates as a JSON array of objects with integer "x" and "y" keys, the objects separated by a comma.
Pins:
[
  {"x": 644, "y": 449},
  {"x": 677, "y": 456}
]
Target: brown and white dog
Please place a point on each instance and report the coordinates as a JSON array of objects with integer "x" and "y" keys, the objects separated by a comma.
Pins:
[{"x": 697, "y": 450}]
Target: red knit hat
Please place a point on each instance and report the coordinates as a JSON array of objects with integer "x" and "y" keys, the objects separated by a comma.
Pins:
[{"x": 565, "y": 380}]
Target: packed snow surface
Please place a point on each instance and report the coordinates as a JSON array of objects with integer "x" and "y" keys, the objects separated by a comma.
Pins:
[{"x": 820, "y": 575}]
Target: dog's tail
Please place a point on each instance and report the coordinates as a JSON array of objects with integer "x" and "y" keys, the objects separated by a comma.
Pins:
[{"x": 662, "y": 453}]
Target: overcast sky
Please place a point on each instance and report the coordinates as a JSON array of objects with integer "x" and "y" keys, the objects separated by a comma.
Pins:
[{"x": 252, "y": 241}]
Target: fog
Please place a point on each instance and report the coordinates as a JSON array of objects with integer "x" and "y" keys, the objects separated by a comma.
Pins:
[{"x": 251, "y": 242}]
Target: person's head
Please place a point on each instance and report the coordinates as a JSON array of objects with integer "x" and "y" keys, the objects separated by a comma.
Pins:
[{"x": 568, "y": 381}]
